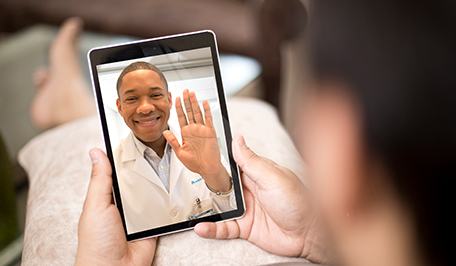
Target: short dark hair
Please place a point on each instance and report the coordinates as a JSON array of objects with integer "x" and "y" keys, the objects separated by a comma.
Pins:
[
  {"x": 137, "y": 66},
  {"x": 399, "y": 58}
]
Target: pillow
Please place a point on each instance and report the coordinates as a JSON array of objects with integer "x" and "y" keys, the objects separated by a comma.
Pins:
[{"x": 59, "y": 167}]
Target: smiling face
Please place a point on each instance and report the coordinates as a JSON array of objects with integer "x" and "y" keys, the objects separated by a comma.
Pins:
[{"x": 145, "y": 103}]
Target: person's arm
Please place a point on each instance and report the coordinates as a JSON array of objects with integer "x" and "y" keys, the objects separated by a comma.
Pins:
[
  {"x": 224, "y": 201},
  {"x": 278, "y": 215},
  {"x": 101, "y": 236}
]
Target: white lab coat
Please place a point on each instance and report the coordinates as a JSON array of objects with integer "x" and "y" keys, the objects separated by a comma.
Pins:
[{"x": 146, "y": 203}]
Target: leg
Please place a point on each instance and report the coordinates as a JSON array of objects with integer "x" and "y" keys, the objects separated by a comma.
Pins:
[{"x": 62, "y": 94}]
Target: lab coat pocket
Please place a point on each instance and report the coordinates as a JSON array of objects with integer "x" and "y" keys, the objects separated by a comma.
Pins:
[{"x": 203, "y": 208}]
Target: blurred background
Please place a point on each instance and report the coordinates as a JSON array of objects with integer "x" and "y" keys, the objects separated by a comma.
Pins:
[{"x": 262, "y": 55}]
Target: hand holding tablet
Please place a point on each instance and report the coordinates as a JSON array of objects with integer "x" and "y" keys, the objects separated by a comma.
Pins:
[{"x": 101, "y": 238}]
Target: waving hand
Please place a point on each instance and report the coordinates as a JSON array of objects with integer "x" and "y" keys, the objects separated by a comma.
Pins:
[{"x": 199, "y": 151}]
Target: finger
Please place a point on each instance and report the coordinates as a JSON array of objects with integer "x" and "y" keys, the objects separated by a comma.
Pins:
[
  {"x": 247, "y": 183},
  {"x": 172, "y": 140},
  {"x": 225, "y": 230},
  {"x": 197, "y": 114},
  {"x": 268, "y": 161},
  {"x": 100, "y": 186},
  {"x": 253, "y": 166},
  {"x": 180, "y": 113},
  {"x": 188, "y": 107},
  {"x": 207, "y": 114}
]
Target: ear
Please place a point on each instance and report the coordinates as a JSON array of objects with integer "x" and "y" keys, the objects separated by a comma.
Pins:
[
  {"x": 170, "y": 100},
  {"x": 119, "y": 107},
  {"x": 335, "y": 153},
  {"x": 353, "y": 156},
  {"x": 353, "y": 160}
]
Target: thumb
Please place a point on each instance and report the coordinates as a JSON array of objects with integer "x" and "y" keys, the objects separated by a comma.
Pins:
[
  {"x": 100, "y": 187},
  {"x": 172, "y": 140},
  {"x": 252, "y": 165}
]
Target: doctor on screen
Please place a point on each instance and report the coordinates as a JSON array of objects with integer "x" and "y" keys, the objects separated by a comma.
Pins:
[{"x": 162, "y": 182}]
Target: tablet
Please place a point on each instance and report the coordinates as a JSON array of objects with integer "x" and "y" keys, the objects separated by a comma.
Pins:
[{"x": 165, "y": 125}]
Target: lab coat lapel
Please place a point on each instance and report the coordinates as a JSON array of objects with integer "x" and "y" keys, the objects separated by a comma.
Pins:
[
  {"x": 176, "y": 166},
  {"x": 141, "y": 167}
]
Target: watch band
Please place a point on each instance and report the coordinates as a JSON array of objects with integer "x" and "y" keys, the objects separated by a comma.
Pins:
[{"x": 218, "y": 193}]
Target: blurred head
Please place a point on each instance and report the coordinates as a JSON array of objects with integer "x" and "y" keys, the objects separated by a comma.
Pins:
[
  {"x": 144, "y": 101},
  {"x": 380, "y": 123}
]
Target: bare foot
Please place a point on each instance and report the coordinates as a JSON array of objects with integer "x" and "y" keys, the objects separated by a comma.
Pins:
[{"x": 62, "y": 94}]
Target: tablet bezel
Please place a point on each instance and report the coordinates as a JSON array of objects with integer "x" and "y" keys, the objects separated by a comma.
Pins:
[{"x": 159, "y": 46}]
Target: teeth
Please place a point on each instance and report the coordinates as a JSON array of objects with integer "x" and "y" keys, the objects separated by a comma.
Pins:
[{"x": 148, "y": 122}]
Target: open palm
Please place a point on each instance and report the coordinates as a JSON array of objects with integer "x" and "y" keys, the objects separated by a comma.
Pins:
[{"x": 199, "y": 151}]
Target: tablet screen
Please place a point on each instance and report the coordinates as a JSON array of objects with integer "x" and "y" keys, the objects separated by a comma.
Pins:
[{"x": 143, "y": 89}]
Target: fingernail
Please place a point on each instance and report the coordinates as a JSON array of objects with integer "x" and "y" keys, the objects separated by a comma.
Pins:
[
  {"x": 94, "y": 157},
  {"x": 241, "y": 141}
]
